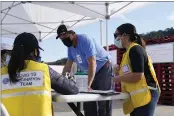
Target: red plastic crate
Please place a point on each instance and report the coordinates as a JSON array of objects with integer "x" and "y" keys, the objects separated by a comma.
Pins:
[
  {"x": 164, "y": 102},
  {"x": 166, "y": 99},
  {"x": 167, "y": 84},
  {"x": 167, "y": 65},
  {"x": 152, "y": 41},
  {"x": 167, "y": 76},
  {"x": 167, "y": 72},
  {"x": 167, "y": 81},
  {"x": 167, "y": 39},
  {"x": 157, "y": 68},
  {"x": 118, "y": 87},
  {"x": 167, "y": 93},
  {"x": 160, "y": 40},
  {"x": 111, "y": 47},
  {"x": 167, "y": 89},
  {"x": 120, "y": 53}
]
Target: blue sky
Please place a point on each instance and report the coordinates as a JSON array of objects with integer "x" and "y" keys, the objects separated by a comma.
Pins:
[{"x": 153, "y": 17}]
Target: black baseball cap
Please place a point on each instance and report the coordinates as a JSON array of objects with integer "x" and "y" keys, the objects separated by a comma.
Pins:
[
  {"x": 61, "y": 30},
  {"x": 28, "y": 41}
]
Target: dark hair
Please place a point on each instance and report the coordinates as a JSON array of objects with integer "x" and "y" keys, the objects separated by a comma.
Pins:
[
  {"x": 130, "y": 30},
  {"x": 4, "y": 51},
  {"x": 19, "y": 54}
]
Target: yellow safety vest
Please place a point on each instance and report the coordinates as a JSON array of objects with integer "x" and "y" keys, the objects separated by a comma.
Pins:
[
  {"x": 139, "y": 92},
  {"x": 31, "y": 96}
]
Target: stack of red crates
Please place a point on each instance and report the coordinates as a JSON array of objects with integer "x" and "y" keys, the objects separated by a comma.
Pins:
[
  {"x": 157, "y": 68},
  {"x": 165, "y": 74},
  {"x": 165, "y": 39},
  {"x": 120, "y": 53},
  {"x": 167, "y": 84}
]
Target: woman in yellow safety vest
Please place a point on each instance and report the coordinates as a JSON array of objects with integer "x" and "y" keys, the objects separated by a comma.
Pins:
[
  {"x": 136, "y": 73},
  {"x": 26, "y": 83}
]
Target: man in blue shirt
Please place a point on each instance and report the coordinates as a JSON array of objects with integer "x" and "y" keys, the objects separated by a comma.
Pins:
[{"x": 92, "y": 58}]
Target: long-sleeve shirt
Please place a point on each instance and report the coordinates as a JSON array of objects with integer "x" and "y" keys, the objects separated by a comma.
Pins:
[{"x": 62, "y": 84}]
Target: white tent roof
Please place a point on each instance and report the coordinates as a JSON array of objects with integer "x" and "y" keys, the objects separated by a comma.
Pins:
[
  {"x": 102, "y": 10},
  {"x": 43, "y": 18},
  {"x": 18, "y": 17},
  {"x": 95, "y": 9},
  {"x": 5, "y": 46}
]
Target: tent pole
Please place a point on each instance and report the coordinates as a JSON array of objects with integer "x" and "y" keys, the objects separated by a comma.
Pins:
[
  {"x": 107, "y": 47},
  {"x": 40, "y": 39},
  {"x": 101, "y": 32},
  {"x": 107, "y": 18},
  {"x": 0, "y": 56}
]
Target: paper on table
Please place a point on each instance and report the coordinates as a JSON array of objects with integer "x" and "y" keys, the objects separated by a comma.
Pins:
[{"x": 82, "y": 82}]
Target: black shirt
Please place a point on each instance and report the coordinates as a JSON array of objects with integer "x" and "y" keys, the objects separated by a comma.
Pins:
[
  {"x": 139, "y": 62},
  {"x": 61, "y": 84}
]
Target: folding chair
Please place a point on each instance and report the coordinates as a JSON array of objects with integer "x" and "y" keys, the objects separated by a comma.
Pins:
[{"x": 4, "y": 111}]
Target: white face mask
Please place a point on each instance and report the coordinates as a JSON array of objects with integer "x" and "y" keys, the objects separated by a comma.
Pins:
[{"x": 118, "y": 43}]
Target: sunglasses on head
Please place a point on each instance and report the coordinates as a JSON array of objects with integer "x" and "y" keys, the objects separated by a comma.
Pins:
[{"x": 116, "y": 35}]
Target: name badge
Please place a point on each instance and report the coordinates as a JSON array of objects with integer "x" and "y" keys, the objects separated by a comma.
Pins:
[
  {"x": 79, "y": 59},
  {"x": 125, "y": 69},
  {"x": 27, "y": 79}
]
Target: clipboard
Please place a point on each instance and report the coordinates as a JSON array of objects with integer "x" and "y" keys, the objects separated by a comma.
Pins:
[{"x": 104, "y": 93}]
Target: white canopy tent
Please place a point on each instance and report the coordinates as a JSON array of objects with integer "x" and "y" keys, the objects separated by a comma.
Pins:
[
  {"x": 5, "y": 46},
  {"x": 102, "y": 10},
  {"x": 18, "y": 17},
  {"x": 43, "y": 18}
]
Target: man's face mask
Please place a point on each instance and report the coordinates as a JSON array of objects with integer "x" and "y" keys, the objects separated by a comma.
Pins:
[
  {"x": 39, "y": 59},
  {"x": 67, "y": 41},
  {"x": 37, "y": 55}
]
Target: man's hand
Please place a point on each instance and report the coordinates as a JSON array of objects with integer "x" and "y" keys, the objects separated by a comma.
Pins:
[
  {"x": 67, "y": 67},
  {"x": 89, "y": 88}
]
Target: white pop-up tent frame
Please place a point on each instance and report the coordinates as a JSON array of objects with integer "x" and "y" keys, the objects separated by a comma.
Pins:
[
  {"x": 101, "y": 10},
  {"x": 17, "y": 17},
  {"x": 80, "y": 8},
  {"x": 43, "y": 16}
]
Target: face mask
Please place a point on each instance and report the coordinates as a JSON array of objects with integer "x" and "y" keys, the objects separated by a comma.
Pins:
[
  {"x": 39, "y": 59},
  {"x": 67, "y": 42},
  {"x": 118, "y": 43}
]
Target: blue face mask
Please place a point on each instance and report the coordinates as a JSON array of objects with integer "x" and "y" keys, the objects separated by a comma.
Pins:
[
  {"x": 118, "y": 43},
  {"x": 39, "y": 59}
]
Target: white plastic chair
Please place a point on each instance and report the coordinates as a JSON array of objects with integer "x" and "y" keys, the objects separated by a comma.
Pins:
[{"x": 4, "y": 111}]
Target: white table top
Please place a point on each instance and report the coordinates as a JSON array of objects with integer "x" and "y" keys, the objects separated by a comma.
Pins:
[{"x": 84, "y": 97}]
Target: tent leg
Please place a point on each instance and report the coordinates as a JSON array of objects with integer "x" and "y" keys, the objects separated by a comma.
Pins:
[
  {"x": 0, "y": 56},
  {"x": 107, "y": 46},
  {"x": 107, "y": 18},
  {"x": 40, "y": 39},
  {"x": 101, "y": 32}
]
